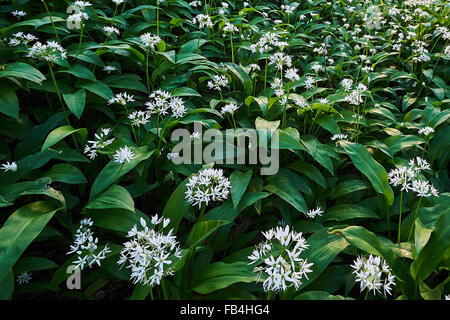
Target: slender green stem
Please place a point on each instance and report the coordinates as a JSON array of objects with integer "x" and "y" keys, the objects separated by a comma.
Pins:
[
  {"x": 198, "y": 40},
  {"x": 114, "y": 16},
  {"x": 157, "y": 17},
  {"x": 269, "y": 295},
  {"x": 146, "y": 71},
  {"x": 265, "y": 73},
  {"x": 151, "y": 293},
  {"x": 232, "y": 48},
  {"x": 123, "y": 8},
  {"x": 400, "y": 218},
  {"x": 51, "y": 20},
  {"x": 202, "y": 212},
  {"x": 415, "y": 216},
  {"x": 118, "y": 172},
  {"x": 367, "y": 295},
  {"x": 81, "y": 35},
  {"x": 164, "y": 289}
]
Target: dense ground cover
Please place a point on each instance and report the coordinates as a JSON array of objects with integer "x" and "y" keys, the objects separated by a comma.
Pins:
[{"x": 99, "y": 202}]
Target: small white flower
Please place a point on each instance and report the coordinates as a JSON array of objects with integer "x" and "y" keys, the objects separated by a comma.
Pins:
[
  {"x": 150, "y": 40},
  {"x": 229, "y": 108},
  {"x": 218, "y": 82},
  {"x": 9, "y": 166},
  {"x": 314, "y": 212},
  {"x": 111, "y": 30},
  {"x": 208, "y": 185},
  {"x": 426, "y": 130},
  {"x": 24, "y": 278},
  {"x": 203, "y": 20},
  {"x": 121, "y": 98},
  {"x": 123, "y": 155},
  {"x": 109, "y": 68}
]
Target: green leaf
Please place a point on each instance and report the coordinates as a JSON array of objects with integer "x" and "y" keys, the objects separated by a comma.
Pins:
[
  {"x": 111, "y": 171},
  {"x": 310, "y": 171},
  {"x": 176, "y": 206},
  {"x": 9, "y": 104},
  {"x": 319, "y": 152},
  {"x": 242, "y": 76},
  {"x": 23, "y": 71},
  {"x": 220, "y": 275},
  {"x": 7, "y": 286},
  {"x": 60, "y": 133},
  {"x": 185, "y": 92},
  {"x": 320, "y": 295},
  {"x": 283, "y": 187},
  {"x": 76, "y": 102},
  {"x": 114, "y": 197},
  {"x": 239, "y": 183},
  {"x": 79, "y": 71},
  {"x": 374, "y": 171},
  {"x": 201, "y": 230},
  {"x": 421, "y": 235},
  {"x": 28, "y": 264},
  {"x": 342, "y": 212},
  {"x": 323, "y": 248},
  {"x": 401, "y": 142},
  {"x": 65, "y": 173},
  {"x": 19, "y": 231},
  {"x": 98, "y": 88},
  {"x": 437, "y": 247}
]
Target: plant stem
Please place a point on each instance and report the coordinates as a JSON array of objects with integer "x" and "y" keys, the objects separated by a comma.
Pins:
[
  {"x": 123, "y": 8},
  {"x": 51, "y": 20},
  {"x": 146, "y": 71},
  {"x": 157, "y": 17},
  {"x": 151, "y": 293},
  {"x": 400, "y": 218},
  {"x": 202, "y": 211},
  {"x": 118, "y": 172},
  {"x": 232, "y": 49},
  {"x": 164, "y": 289},
  {"x": 81, "y": 35},
  {"x": 269, "y": 295},
  {"x": 367, "y": 295},
  {"x": 415, "y": 216},
  {"x": 114, "y": 16}
]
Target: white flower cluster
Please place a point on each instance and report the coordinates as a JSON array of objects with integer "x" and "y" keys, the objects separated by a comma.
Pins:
[
  {"x": 207, "y": 185},
  {"x": 9, "y": 166},
  {"x": 150, "y": 253},
  {"x": 426, "y": 130},
  {"x": 278, "y": 257},
  {"x": 123, "y": 155},
  {"x": 100, "y": 142},
  {"x": 229, "y": 27},
  {"x": 24, "y": 278},
  {"x": 110, "y": 30},
  {"x": 280, "y": 59},
  {"x": 161, "y": 101},
  {"x": 229, "y": 108},
  {"x": 339, "y": 138},
  {"x": 51, "y": 51},
  {"x": 203, "y": 20},
  {"x": 407, "y": 178},
  {"x": 85, "y": 246},
  {"x": 139, "y": 118},
  {"x": 266, "y": 42},
  {"x": 18, "y": 13},
  {"x": 373, "y": 273},
  {"x": 355, "y": 96},
  {"x": 121, "y": 98},
  {"x": 21, "y": 38},
  {"x": 150, "y": 40},
  {"x": 218, "y": 82},
  {"x": 314, "y": 212}
]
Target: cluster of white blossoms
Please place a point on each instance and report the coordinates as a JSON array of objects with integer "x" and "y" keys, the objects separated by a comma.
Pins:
[
  {"x": 162, "y": 101},
  {"x": 278, "y": 257},
  {"x": 339, "y": 138},
  {"x": 121, "y": 98},
  {"x": 407, "y": 178},
  {"x": 51, "y": 51},
  {"x": 218, "y": 82},
  {"x": 195, "y": 3},
  {"x": 150, "y": 253},
  {"x": 124, "y": 154},
  {"x": 426, "y": 130},
  {"x": 289, "y": 8},
  {"x": 9, "y": 166},
  {"x": 207, "y": 185},
  {"x": 82, "y": 4},
  {"x": 203, "y": 20},
  {"x": 24, "y": 278},
  {"x": 21, "y": 38},
  {"x": 100, "y": 142},
  {"x": 374, "y": 274},
  {"x": 139, "y": 117},
  {"x": 109, "y": 68},
  {"x": 150, "y": 40},
  {"x": 18, "y": 13},
  {"x": 230, "y": 28},
  {"x": 347, "y": 84},
  {"x": 86, "y": 246},
  {"x": 78, "y": 17},
  {"x": 314, "y": 212},
  {"x": 229, "y": 108},
  {"x": 266, "y": 43},
  {"x": 310, "y": 82},
  {"x": 110, "y": 30},
  {"x": 292, "y": 74},
  {"x": 355, "y": 96},
  {"x": 280, "y": 59}
]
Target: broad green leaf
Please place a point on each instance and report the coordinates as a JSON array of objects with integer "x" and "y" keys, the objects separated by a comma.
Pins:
[
  {"x": 242, "y": 76},
  {"x": 401, "y": 142},
  {"x": 284, "y": 188},
  {"x": 342, "y": 212},
  {"x": 114, "y": 197},
  {"x": 374, "y": 171},
  {"x": 201, "y": 230},
  {"x": 239, "y": 182},
  {"x": 76, "y": 102},
  {"x": 220, "y": 275},
  {"x": 65, "y": 173},
  {"x": 432, "y": 253},
  {"x": 23, "y": 71},
  {"x": 113, "y": 171},
  {"x": 79, "y": 71},
  {"x": 176, "y": 206},
  {"x": 60, "y": 133},
  {"x": 323, "y": 248},
  {"x": 19, "y": 231},
  {"x": 28, "y": 264},
  {"x": 9, "y": 104},
  {"x": 421, "y": 235},
  {"x": 310, "y": 171}
]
